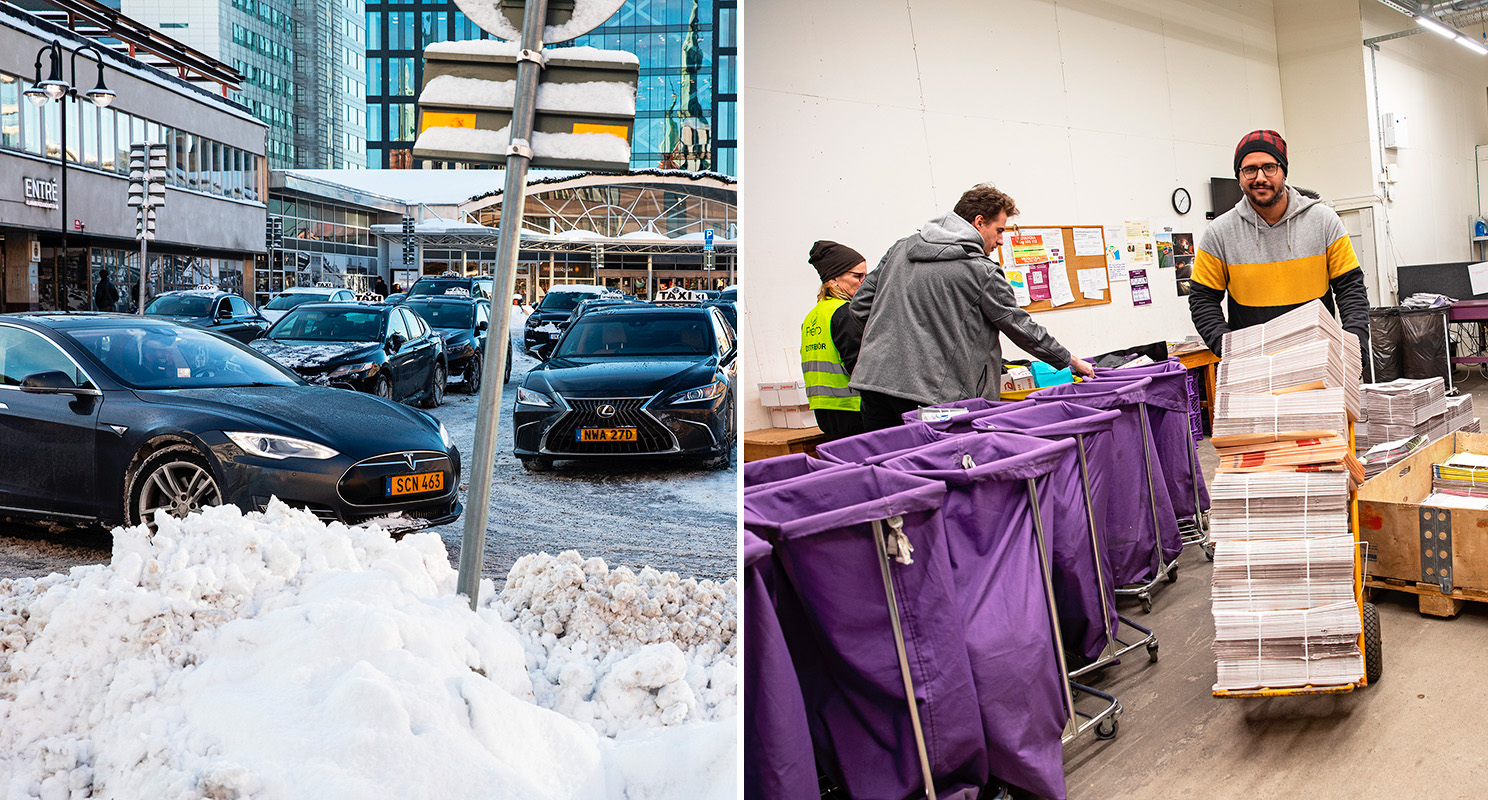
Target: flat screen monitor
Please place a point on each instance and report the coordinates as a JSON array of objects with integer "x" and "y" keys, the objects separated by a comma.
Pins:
[{"x": 1224, "y": 193}]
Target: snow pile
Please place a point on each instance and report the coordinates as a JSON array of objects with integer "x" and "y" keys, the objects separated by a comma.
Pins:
[
  {"x": 306, "y": 356},
  {"x": 619, "y": 650},
  {"x": 585, "y": 147},
  {"x": 272, "y": 656},
  {"x": 487, "y": 14}
]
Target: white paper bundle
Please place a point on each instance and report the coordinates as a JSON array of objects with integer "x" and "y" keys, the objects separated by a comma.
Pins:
[
  {"x": 1334, "y": 619},
  {"x": 1320, "y": 410},
  {"x": 1310, "y": 363},
  {"x": 1302, "y": 325},
  {"x": 1283, "y": 672},
  {"x": 1233, "y": 494},
  {"x": 1282, "y": 574},
  {"x": 1304, "y": 523},
  {"x": 1405, "y": 401}
]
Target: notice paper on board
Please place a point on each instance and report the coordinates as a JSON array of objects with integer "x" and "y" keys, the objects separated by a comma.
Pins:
[
  {"x": 1477, "y": 275},
  {"x": 1089, "y": 242},
  {"x": 1141, "y": 293}
]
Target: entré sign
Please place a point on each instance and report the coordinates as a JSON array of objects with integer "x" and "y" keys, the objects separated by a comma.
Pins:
[{"x": 41, "y": 192}]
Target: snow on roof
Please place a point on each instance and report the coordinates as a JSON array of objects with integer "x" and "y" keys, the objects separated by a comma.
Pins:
[
  {"x": 594, "y": 97},
  {"x": 650, "y": 236},
  {"x": 271, "y": 655},
  {"x": 578, "y": 233},
  {"x": 438, "y": 225}
]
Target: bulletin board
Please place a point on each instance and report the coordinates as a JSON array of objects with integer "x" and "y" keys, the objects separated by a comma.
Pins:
[{"x": 1072, "y": 263}]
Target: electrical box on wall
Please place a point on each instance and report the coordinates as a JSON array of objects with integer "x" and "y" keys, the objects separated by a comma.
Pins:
[{"x": 1394, "y": 130}]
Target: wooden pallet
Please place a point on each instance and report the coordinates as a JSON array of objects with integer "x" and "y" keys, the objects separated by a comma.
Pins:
[{"x": 1429, "y": 595}]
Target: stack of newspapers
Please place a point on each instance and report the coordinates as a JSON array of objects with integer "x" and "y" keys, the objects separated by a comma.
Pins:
[
  {"x": 1377, "y": 458},
  {"x": 1407, "y": 407},
  {"x": 1285, "y": 612}
]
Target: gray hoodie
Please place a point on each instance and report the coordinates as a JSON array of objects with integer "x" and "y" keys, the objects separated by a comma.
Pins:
[{"x": 932, "y": 311}]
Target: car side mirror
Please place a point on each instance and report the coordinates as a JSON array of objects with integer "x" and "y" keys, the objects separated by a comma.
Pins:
[
  {"x": 224, "y": 313},
  {"x": 729, "y": 356},
  {"x": 481, "y": 326},
  {"x": 55, "y": 382},
  {"x": 543, "y": 351},
  {"x": 396, "y": 342}
]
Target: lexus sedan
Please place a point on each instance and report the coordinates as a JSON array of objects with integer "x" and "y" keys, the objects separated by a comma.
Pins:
[
  {"x": 384, "y": 350},
  {"x": 217, "y": 311},
  {"x": 110, "y": 418},
  {"x": 632, "y": 381}
]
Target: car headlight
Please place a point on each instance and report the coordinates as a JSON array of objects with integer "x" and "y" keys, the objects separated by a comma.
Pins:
[
  {"x": 527, "y": 397},
  {"x": 712, "y": 391},
  {"x": 269, "y": 445},
  {"x": 444, "y": 436},
  {"x": 351, "y": 370}
]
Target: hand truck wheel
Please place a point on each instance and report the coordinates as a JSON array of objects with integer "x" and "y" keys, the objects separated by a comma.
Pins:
[
  {"x": 1374, "y": 657},
  {"x": 1107, "y": 728},
  {"x": 1209, "y": 551}
]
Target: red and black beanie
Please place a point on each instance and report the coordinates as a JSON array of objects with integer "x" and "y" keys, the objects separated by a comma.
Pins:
[{"x": 1261, "y": 142}]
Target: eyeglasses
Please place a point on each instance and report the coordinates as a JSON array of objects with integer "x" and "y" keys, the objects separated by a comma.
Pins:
[
  {"x": 1270, "y": 170},
  {"x": 858, "y": 275}
]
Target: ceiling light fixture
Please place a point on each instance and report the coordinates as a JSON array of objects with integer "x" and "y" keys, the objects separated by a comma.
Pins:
[
  {"x": 1432, "y": 25},
  {"x": 1469, "y": 43}
]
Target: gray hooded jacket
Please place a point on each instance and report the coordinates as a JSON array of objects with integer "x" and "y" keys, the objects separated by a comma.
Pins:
[{"x": 932, "y": 311}]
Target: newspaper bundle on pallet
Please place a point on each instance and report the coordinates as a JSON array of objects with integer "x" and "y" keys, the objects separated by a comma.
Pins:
[
  {"x": 1377, "y": 458},
  {"x": 1284, "y": 603},
  {"x": 1404, "y": 408},
  {"x": 1462, "y": 474}
]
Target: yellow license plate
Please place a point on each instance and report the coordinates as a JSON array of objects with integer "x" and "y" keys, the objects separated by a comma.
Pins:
[
  {"x": 607, "y": 434},
  {"x": 416, "y": 483}
]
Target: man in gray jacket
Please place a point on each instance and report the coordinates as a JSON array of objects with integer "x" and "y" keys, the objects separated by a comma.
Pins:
[{"x": 932, "y": 311}]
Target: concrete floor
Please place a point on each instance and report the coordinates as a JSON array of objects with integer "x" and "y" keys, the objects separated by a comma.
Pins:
[{"x": 1413, "y": 734}]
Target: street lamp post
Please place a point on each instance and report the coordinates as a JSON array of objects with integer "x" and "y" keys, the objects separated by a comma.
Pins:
[{"x": 54, "y": 88}]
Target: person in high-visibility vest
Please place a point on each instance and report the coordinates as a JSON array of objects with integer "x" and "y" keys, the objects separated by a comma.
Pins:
[{"x": 829, "y": 340}]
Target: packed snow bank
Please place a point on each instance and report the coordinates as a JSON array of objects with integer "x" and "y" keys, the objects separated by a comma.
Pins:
[{"x": 272, "y": 656}]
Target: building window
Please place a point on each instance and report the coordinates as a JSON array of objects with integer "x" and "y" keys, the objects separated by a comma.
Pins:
[{"x": 10, "y": 112}]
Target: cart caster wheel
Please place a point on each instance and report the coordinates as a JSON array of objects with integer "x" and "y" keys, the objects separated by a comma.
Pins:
[
  {"x": 1374, "y": 657},
  {"x": 1146, "y": 605},
  {"x": 1152, "y": 651},
  {"x": 1107, "y": 728},
  {"x": 1209, "y": 551},
  {"x": 1173, "y": 574}
]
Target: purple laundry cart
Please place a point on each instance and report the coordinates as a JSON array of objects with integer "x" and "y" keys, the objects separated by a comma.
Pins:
[
  {"x": 1082, "y": 576},
  {"x": 1141, "y": 533},
  {"x": 875, "y": 447},
  {"x": 996, "y": 534},
  {"x": 865, "y": 580},
  {"x": 1168, "y": 409},
  {"x": 773, "y": 470},
  {"x": 778, "y": 764}
]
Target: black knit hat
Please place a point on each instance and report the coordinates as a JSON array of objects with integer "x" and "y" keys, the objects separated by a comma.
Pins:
[
  {"x": 1261, "y": 142},
  {"x": 832, "y": 259}
]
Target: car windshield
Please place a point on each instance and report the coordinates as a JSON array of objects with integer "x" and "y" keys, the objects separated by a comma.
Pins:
[
  {"x": 637, "y": 336},
  {"x": 157, "y": 357},
  {"x": 444, "y": 315},
  {"x": 563, "y": 301},
  {"x": 435, "y": 286},
  {"x": 329, "y": 324},
  {"x": 181, "y": 305},
  {"x": 285, "y": 302}
]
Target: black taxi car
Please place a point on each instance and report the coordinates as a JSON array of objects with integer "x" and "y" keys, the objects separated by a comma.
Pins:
[
  {"x": 213, "y": 309},
  {"x": 462, "y": 322},
  {"x": 631, "y": 381},
  {"x": 132, "y": 416}
]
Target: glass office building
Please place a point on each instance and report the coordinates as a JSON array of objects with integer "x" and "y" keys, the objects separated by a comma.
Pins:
[{"x": 685, "y": 100}]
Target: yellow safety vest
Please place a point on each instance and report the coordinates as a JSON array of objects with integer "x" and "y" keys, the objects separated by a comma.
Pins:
[{"x": 826, "y": 378}]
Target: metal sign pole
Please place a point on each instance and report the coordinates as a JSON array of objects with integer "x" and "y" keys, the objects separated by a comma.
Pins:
[{"x": 519, "y": 155}]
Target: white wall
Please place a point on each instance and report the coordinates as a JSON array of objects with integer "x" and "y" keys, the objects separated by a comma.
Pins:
[
  {"x": 864, "y": 119},
  {"x": 1439, "y": 86}
]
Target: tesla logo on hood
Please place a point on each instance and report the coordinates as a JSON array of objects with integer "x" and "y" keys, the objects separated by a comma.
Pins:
[
  {"x": 605, "y": 411},
  {"x": 408, "y": 459}
]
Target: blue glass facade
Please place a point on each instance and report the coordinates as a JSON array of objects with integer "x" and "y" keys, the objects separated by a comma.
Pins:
[{"x": 685, "y": 100}]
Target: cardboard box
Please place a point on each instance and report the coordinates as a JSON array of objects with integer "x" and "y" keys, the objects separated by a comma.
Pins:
[
  {"x": 1017, "y": 379},
  {"x": 793, "y": 393},
  {"x": 800, "y": 417},
  {"x": 770, "y": 395},
  {"x": 1390, "y": 518},
  {"x": 778, "y": 420}
]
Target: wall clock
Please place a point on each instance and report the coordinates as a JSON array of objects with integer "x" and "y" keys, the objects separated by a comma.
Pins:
[{"x": 1181, "y": 201}]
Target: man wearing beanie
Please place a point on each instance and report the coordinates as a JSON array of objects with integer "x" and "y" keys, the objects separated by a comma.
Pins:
[
  {"x": 932, "y": 312},
  {"x": 1275, "y": 250},
  {"x": 829, "y": 340}
]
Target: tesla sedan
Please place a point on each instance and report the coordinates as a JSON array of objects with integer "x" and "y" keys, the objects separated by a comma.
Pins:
[
  {"x": 632, "y": 381},
  {"x": 110, "y": 418},
  {"x": 384, "y": 350}
]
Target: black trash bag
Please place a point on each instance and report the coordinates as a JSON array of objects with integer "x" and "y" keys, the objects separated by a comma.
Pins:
[
  {"x": 1385, "y": 338},
  {"x": 1425, "y": 344}
]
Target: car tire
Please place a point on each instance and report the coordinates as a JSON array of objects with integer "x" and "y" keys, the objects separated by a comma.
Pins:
[
  {"x": 177, "y": 478},
  {"x": 472, "y": 375},
  {"x": 382, "y": 387},
  {"x": 537, "y": 464},
  {"x": 506, "y": 377},
  {"x": 434, "y": 395}
]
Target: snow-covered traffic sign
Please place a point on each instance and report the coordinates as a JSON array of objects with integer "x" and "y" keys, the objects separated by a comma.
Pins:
[
  {"x": 566, "y": 19},
  {"x": 584, "y": 115}
]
